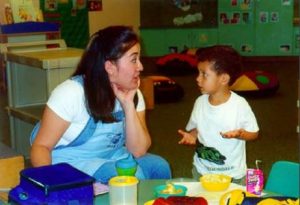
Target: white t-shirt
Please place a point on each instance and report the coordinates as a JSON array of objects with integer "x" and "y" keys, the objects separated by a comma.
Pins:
[
  {"x": 67, "y": 100},
  {"x": 210, "y": 120}
]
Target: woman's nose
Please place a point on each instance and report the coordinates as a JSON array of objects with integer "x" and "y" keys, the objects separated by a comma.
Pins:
[{"x": 140, "y": 66}]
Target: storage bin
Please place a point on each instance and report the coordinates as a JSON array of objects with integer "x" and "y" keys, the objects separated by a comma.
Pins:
[{"x": 59, "y": 184}]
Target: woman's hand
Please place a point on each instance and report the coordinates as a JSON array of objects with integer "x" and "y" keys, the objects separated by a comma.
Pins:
[
  {"x": 124, "y": 96},
  {"x": 187, "y": 138}
]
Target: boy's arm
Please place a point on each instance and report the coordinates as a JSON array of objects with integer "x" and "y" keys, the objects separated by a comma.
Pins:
[{"x": 240, "y": 134}]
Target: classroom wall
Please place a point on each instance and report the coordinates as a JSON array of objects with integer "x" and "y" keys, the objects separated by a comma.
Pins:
[{"x": 115, "y": 12}]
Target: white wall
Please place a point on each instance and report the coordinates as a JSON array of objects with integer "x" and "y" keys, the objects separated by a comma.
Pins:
[{"x": 115, "y": 12}]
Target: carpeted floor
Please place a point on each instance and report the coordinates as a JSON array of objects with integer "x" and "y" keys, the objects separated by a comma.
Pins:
[{"x": 276, "y": 116}]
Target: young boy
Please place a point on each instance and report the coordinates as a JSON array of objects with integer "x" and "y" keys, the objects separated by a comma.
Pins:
[{"x": 221, "y": 120}]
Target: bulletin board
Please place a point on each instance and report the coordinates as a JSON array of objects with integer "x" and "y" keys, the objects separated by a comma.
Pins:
[
  {"x": 72, "y": 17},
  {"x": 179, "y": 13}
]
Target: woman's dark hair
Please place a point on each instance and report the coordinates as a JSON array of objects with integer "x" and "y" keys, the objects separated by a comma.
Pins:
[
  {"x": 110, "y": 43},
  {"x": 224, "y": 58}
]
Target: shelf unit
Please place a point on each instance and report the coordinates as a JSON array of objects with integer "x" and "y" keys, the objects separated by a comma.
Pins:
[
  {"x": 22, "y": 37},
  {"x": 31, "y": 76}
]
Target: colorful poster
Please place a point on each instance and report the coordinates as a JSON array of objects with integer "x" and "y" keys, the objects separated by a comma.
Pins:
[
  {"x": 274, "y": 17},
  {"x": 235, "y": 18},
  {"x": 95, "y": 5},
  {"x": 50, "y": 5},
  {"x": 8, "y": 14},
  {"x": 263, "y": 17},
  {"x": 286, "y": 2},
  {"x": 224, "y": 18},
  {"x": 23, "y": 10},
  {"x": 246, "y": 18}
]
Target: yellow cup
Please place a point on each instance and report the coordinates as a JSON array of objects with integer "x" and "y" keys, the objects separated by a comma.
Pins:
[{"x": 123, "y": 190}]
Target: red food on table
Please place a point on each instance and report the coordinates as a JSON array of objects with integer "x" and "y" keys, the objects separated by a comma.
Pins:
[
  {"x": 181, "y": 200},
  {"x": 161, "y": 201}
]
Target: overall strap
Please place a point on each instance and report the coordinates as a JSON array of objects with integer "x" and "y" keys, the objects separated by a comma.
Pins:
[
  {"x": 84, "y": 135},
  {"x": 89, "y": 128},
  {"x": 87, "y": 131}
]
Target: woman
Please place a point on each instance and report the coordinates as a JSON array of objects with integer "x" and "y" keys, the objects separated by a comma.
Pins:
[{"x": 92, "y": 120}]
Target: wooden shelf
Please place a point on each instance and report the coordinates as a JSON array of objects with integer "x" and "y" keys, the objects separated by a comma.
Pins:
[{"x": 30, "y": 114}]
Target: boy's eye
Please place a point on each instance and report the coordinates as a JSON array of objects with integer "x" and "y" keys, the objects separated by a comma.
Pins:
[{"x": 203, "y": 74}]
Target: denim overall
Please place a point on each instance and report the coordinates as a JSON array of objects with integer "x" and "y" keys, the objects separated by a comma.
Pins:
[
  {"x": 96, "y": 144},
  {"x": 103, "y": 144}
]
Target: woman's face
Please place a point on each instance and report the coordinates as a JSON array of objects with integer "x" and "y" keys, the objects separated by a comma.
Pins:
[{"x": 126, "y": 70}]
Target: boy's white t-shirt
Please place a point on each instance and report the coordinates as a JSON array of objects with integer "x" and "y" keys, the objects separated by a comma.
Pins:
[
  {"x": 67, "y": 100},
  {"x": 210, "y": 120}
]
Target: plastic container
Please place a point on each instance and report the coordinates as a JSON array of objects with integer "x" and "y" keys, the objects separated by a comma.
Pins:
[
  {"x": 126, "y": 167},
  {"x": 123, "y": 190},
  {"x": 215, "y": 182},
  {"x": 167, "y": 190}
]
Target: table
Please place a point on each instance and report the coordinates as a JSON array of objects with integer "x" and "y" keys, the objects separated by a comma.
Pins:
[{"x": 146, "y": 187}]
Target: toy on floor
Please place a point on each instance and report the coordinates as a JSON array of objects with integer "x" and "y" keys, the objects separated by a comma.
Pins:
[
  {"x": 256, "y": 83},
  {"x": 175, "y": 64},
  {"x": 166, "y": 90}
]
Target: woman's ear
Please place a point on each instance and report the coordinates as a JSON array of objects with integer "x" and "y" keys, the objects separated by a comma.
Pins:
[{"x": 109, "y": 67}]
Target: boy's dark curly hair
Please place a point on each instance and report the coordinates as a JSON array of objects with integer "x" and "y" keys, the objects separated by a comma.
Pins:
[{"x": 225, "y": 59}]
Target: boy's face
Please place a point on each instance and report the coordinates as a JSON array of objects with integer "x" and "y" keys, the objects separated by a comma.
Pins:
[{"x": 208, "y": 80}]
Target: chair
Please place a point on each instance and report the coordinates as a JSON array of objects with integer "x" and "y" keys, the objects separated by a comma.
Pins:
[{"x": 284, "y": 179}]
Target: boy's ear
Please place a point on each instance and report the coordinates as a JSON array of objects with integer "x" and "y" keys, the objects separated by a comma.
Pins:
[{"x": 225, "y": 78}]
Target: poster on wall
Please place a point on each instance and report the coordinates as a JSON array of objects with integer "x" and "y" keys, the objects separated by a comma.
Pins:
[
  {"x": 274, "y": 17},
  {"x": 263, "y": 17},
  {"x": 23, "y": 10},
  {"x": 286, "y": 2},
  {"x": 179, "y": 13},
  {"x": 72, "y": 17},
  {"x": 50, "y": 5},
  {"x": 95, "y": 5}
]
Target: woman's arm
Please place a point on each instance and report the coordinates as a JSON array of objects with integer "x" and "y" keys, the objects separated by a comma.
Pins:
[
  {"x": 51, "y": 129},
  {"x": 138, "y": 138}
]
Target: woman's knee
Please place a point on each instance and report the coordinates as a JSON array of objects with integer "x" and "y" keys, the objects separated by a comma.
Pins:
[
  {"x": 105, "y": 172},
  {"x": 154, "y": 166}
]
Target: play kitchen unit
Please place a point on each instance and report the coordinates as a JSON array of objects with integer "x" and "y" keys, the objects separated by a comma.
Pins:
[{"x": 31, "y": 76}]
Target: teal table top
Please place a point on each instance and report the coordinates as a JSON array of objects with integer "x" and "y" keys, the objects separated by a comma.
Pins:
[{"x": 146, "y": 191}]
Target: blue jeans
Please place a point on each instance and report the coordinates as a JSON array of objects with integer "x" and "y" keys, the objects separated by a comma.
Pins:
[{"x": 150, "y": 166}]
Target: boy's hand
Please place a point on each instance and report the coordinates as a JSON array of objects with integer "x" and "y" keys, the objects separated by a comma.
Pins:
[
  {"x": 187, "y": 138},
  {"x": 232, "y": 134}
]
